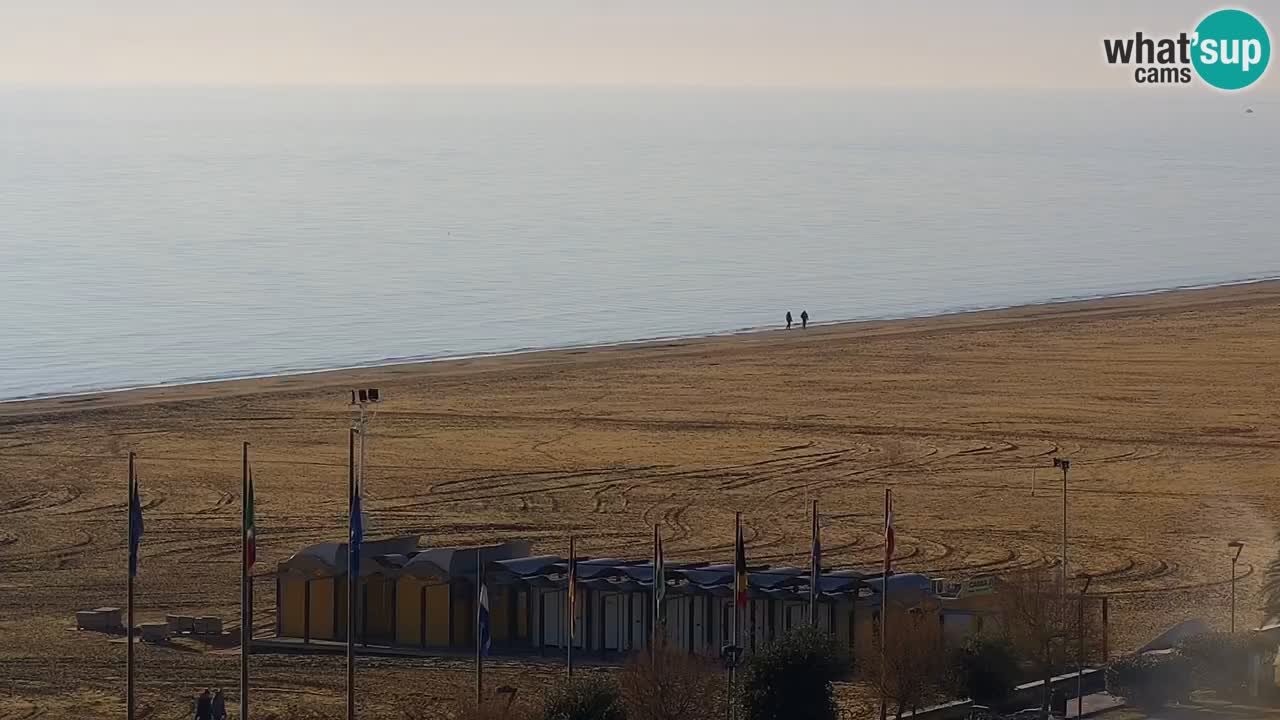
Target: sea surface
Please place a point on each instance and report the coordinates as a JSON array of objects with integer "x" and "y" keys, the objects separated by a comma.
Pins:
[{"x": 167, "y": 235}]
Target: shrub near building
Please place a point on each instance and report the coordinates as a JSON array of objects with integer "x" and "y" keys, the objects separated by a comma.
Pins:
[
  {"x": 790, "y": 679},
  {"x": 984, "y": 670},
  {"x": 1220, "y": 661},
  {"x": 1151, "y": 681}
]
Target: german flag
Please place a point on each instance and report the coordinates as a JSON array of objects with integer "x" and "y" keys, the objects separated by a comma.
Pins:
[{"x": 740, "y": 566}]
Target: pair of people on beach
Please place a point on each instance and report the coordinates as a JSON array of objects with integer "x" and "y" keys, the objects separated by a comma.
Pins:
[
  {"x": 804, "y": 319},
  {"x": 211, "y": 707}
]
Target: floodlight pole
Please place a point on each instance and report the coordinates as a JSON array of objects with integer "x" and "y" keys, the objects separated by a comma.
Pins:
[
  {"x": 361, "y": 402},
  {"x": 362, "y": 427}
]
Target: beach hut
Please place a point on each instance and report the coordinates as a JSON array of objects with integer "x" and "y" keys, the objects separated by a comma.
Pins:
[
  {"x": 407, "y": 595},
  {"x": 424, "y": 598},
  {"x": 311, "y": 587}
]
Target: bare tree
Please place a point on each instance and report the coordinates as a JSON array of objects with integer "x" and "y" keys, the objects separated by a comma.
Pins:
[
  {"x": 667, "y": 684},
  {"x": 912, "y": 666},
  {"x": 1041, "y": 622}
]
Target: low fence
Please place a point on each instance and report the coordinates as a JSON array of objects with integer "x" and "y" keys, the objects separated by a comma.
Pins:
[{"x": 1024, "y": 696}]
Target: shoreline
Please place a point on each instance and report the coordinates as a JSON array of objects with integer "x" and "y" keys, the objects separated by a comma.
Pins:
[{"x": 294, "y": 379}]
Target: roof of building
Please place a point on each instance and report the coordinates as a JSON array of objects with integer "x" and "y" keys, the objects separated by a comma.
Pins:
[
  {"x": 398, "y": 556},
  {"x": 331, "y": 558},
  {"x": 611, "y": 574},
  {"x": 510, "y": 562}
]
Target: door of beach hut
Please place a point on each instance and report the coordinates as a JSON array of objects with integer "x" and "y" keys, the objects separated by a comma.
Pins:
[
  {"x": 552, "y": 618},
  {"x": 612, "y": 622}
]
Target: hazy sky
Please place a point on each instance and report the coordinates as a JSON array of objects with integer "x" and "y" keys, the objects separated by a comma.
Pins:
[{"x": 912, "y": 43}]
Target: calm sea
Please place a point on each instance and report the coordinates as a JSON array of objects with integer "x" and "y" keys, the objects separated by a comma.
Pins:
[{"x": 171, "y": 235}]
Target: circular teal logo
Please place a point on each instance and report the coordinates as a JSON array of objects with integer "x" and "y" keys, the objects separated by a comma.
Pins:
[{"x": 1232, "y": 49}]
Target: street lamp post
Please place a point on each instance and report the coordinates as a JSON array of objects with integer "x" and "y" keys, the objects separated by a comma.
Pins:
[
  {"x": 1065, "y": 464},
  {"x": 1239, "y": 547}
]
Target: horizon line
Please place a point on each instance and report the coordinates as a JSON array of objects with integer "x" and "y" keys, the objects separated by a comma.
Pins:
[{"x": 537, "y": 85}]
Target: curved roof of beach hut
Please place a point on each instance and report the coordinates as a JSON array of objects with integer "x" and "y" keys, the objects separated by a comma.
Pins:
[
  {"x": 642, "y": 572},
  {"x": 839, "y": 583},
  {"x": 717, "y": 580},
  {"x": 324, "y": 559},
  {"x": 776, "y": 578},
  {"x": 528, "y": 566},
  {"x": 600, "y": 567},
  {"x": 639, "y": 573},
  {"x": 708, "y": 575},
  {"x": 455, "y": 562},
  {"x": 613, "y": 584},
  {"x": 905, "y": 584}
]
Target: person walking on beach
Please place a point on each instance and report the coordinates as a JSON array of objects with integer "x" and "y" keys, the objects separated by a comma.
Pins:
[
  {"x": 788, "y": 319},
  {"x": 219, "y": 706},
  {"x": 204, "y": 706},
  {"x": 804, "y": 319}
]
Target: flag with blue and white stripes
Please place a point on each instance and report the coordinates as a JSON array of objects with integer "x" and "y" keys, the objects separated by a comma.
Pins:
[{"x": 485, "y": 639}]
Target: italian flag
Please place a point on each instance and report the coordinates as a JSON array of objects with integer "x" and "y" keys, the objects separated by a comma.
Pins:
[{"x": 250, "y": 536}]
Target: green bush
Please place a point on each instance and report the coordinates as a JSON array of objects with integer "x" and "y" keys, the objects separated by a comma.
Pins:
[
  {"x": 585, "y": 696},
  {"x": 984, "y": 670},
  {"x": 1151, "y": 681},
  {"x": 790, "y": 679},
  {"x": 1220, "y": 660}
]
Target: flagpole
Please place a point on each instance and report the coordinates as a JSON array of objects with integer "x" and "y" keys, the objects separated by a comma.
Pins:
[
  {"x": 737, "y": 538},
  {"x": 737, "y": 624},
  {"x": 246, "y": 586},
  {"x": 884, "y": 595},
  {"x": 479, "y": 659},
  {"x": 351, "y": 581},
  {"x": 571, "y": 598},
  {"x": 815, "y": 561},
  {"x": 657, "y": 592},
  {"x": 129, "y": 696}
]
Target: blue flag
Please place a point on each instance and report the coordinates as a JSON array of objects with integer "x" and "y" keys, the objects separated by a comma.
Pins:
[
  {"x": 357, "y": 531},
  {"x": 135, "y": 525},
  {"x": 485, "y": 640}
]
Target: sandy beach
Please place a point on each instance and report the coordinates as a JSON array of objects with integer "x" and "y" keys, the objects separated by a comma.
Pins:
[{"x": 1164, "y": 403}]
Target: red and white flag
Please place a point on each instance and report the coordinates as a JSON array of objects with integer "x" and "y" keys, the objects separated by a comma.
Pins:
[{"x": 888, "y": 532}]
